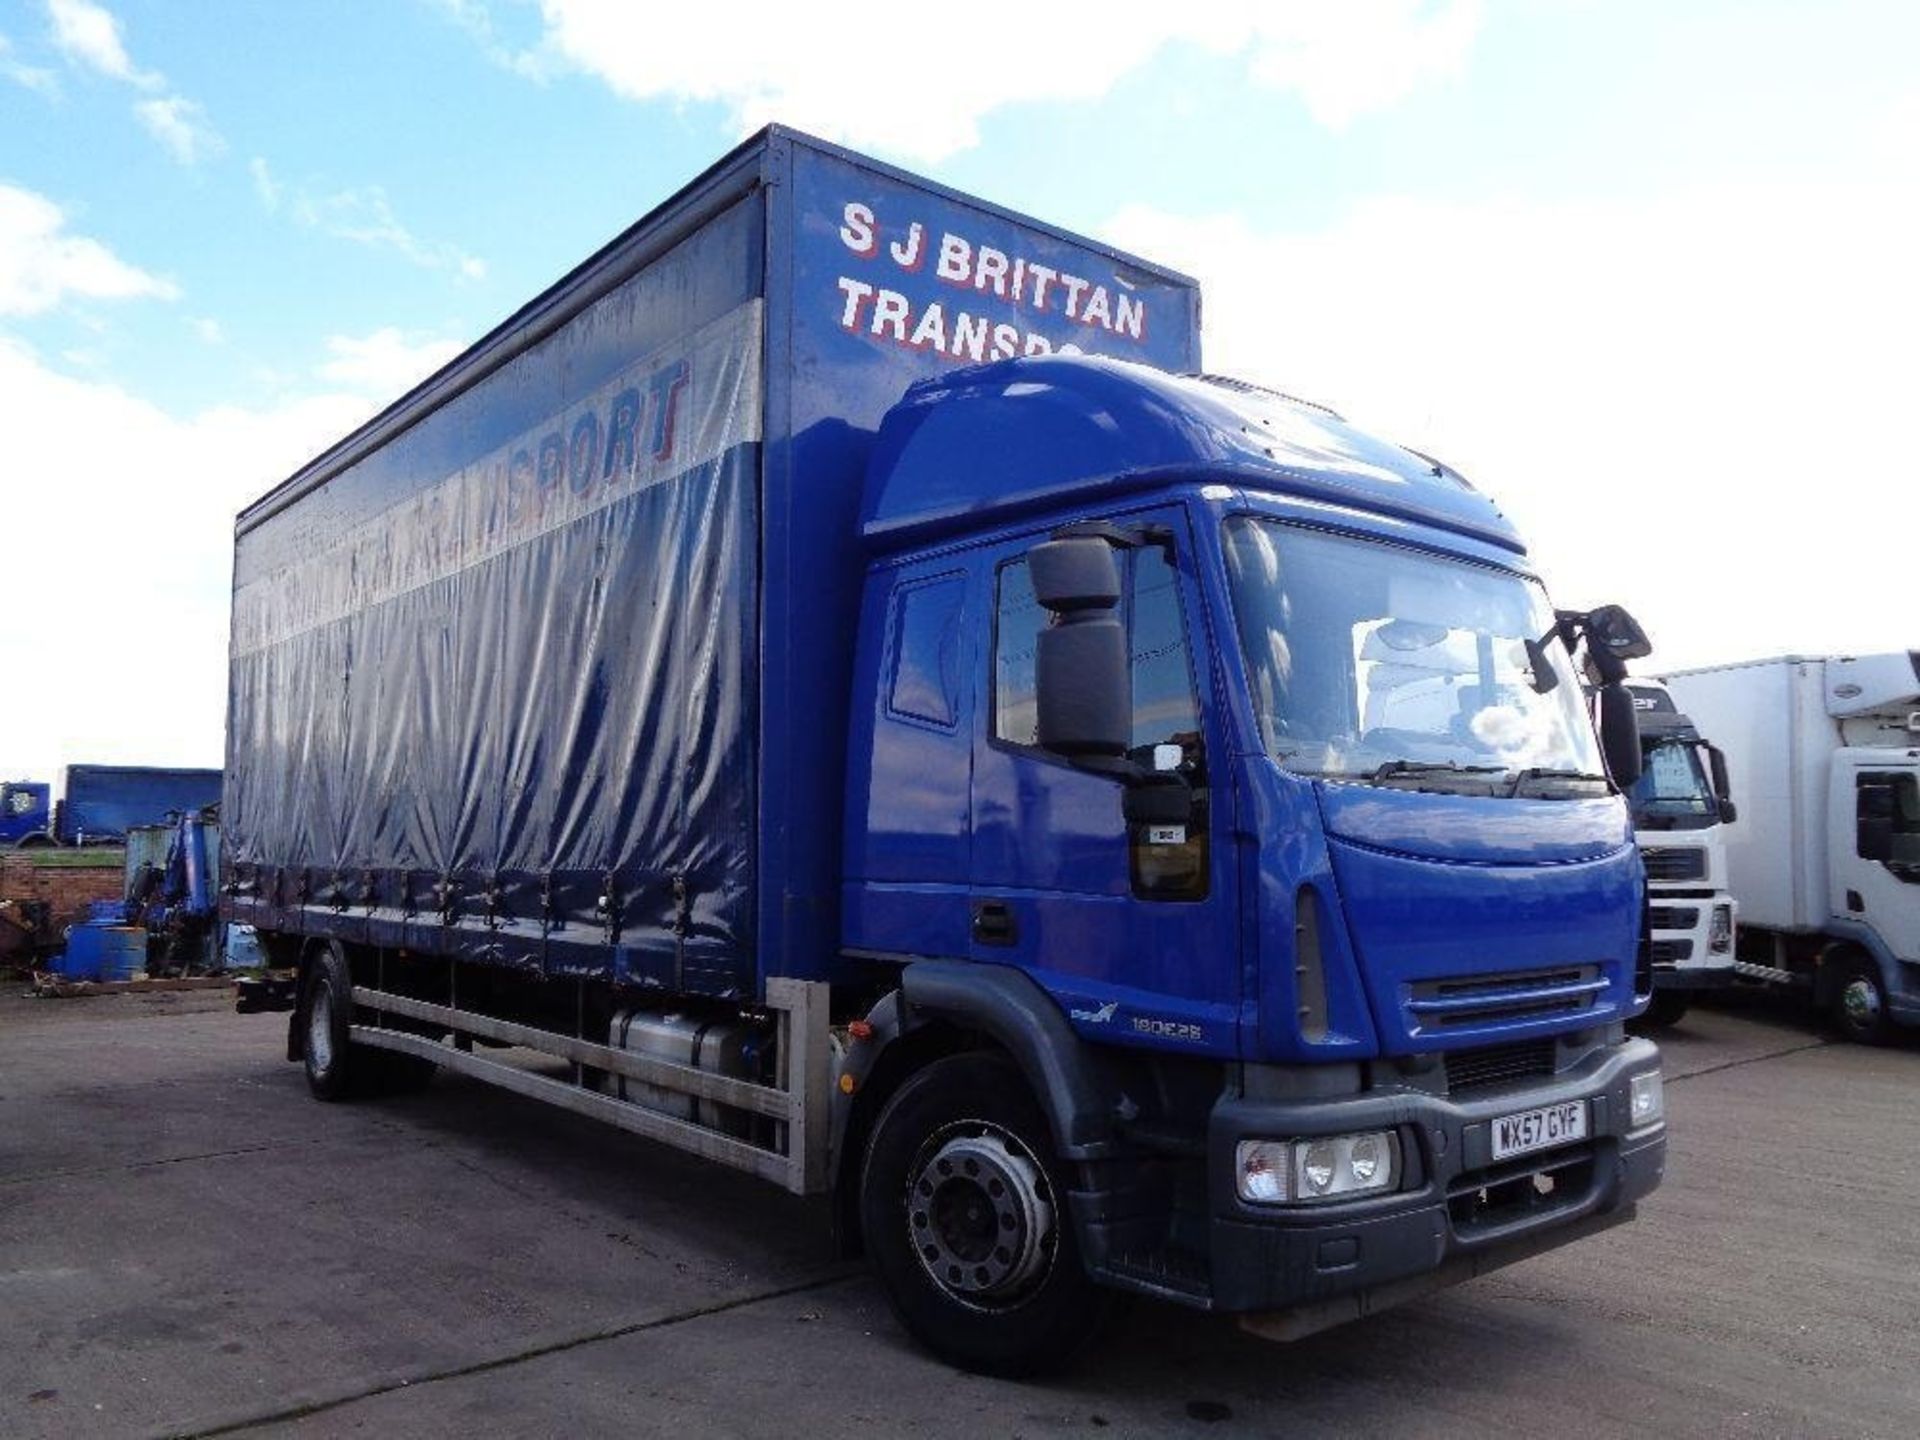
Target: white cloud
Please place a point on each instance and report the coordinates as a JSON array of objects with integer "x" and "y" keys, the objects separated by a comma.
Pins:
[
  {"x": 89, "y": 35},
  {"x": 1698, "y": 406},
  {"x": 474, "y": 17},
  {"x": 181, "y": 126},
  {"x": 1899, "y": 135},
  {"x": 385, "y": 363},
  {"x": 149, "y": 499},
  {"x": 33, "y": 77},
  {"x": 834, "y": 68},
  {"x": 364, "y": 216},
  {"x": 41, "y": 264},
  {"x": 209, "y": 330},
  {"x": 1349, "y": 59},
  {"x": 264, "y": 185}
]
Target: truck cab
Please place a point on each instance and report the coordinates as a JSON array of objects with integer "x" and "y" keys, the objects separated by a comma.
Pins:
[
  {"x": 1150, "y": 667},
  {"x": 1825, "y": 760},
  {"x": 1873, "y": 850},
  {"x": 26, "y": 813},
  {"x": 1680, "y": 804}
]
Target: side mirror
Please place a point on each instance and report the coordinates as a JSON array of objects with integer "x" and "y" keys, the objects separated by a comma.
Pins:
[
  {"x": 1873, "y": 830},
  {"x": 1613, "y": 629},
  {"x": 1162, "y": 799},
  {"x": 1074, "y": 575},
  {"x": 1082, "y": 690},
  {"x": 1620, "y": 734},
  {"x": 1722, "y": 787}
]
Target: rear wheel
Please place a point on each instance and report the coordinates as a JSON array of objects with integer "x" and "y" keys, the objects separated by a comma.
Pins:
[
  {"x": 1860, "y": 1002},
  {"x": 964, "y": 1212},
  {"x": 338, "y": 1069},
  {"x": 333, "y": 1062}
]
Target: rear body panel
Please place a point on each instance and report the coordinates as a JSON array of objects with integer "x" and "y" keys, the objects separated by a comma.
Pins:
[
  {"x": 103, "y": 802},
  {"x": 547, "y": 666}
]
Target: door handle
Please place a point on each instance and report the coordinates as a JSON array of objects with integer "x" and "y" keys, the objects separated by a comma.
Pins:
[{"x": 993, "y": 923}]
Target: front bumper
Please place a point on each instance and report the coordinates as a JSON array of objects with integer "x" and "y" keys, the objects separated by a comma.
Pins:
[
  {"x": 1682, "y": 956},
  {"x": 1695, "y": 979},
  {"x": 1458, "y": 1213}
]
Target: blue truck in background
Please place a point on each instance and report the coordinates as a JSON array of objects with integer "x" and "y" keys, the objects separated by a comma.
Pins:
[
  {"x": 99, "y": 804},
  {"x": 834, "y": 685}
]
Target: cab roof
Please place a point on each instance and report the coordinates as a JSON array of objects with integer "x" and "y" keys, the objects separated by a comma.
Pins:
[{"x": 992, "y": 442}]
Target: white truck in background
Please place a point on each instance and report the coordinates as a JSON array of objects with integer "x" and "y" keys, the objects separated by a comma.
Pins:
[
  {"x": 1824, "y": 754},
  {"x": 1681, "y": 810}
]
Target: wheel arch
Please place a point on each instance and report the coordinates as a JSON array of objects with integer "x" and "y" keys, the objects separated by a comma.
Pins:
[{"x": 944, "y": 1008}]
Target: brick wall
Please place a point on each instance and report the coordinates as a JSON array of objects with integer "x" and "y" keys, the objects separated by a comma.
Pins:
[{"x": 67, "y": 880}]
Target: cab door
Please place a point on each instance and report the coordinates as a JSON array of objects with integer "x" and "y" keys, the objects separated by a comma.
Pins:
[
  {"x": 1876, "y": 877},
  {"x": 1130, "y": 927}
]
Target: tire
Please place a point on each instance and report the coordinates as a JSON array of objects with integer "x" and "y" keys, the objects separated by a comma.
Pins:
[
  {"x": 961, "y": 1158},
  {"x": 334, "y": 1064},
  {"x": 337, "y": 1069},
  {"x": 1667, "y": 1009},
  {"x": 1860, "y": 1002}
]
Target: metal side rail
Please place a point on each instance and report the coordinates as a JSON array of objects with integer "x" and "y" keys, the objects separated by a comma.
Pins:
[{"x": 799, "y": 1103}]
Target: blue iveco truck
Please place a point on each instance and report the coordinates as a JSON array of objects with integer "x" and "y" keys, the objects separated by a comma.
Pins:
[
  {"x": 832, "y": 688},
  {"x": 100, "y": 803}
]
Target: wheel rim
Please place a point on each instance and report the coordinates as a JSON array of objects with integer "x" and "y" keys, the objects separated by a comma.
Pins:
[
  {"x": 980, "y": 1214},
  {"x": 320, "y": 1029},
  {"x": 1860, "y": 1002}
]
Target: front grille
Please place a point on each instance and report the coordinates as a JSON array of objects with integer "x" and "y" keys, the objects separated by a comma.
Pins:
[
  {"x": 1517, "y": 995},
  {"x": 1669, "y": 952},
  {"x": 1530, "y": 1187},
  {"x": 1689, "y": 863},
  {"x": 1673, "y": 917},
  {"x": 1490, "y": 1065}
]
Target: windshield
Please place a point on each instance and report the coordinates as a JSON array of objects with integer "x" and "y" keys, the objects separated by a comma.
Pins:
[
  {"x": 1672, "y": 785},
  {"x": 1370, "y": 660}
]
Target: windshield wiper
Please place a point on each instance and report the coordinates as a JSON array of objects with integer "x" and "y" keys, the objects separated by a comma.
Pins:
[
  {"x": 1546, "y": 772},
  {"x": 1417, "y": 769}
]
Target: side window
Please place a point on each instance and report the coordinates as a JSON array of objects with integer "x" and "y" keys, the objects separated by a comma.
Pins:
[
  {"x": 1017, "y": 623},
  {"x": 1164, "y": 709},
  {"x": 1166, "y": 862},
  {"x": 1887, "y": 820},
  {"x": 925, "y": 679}
]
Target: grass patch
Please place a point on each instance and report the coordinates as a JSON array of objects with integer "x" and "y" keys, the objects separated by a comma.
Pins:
[{"x": 106, "y": 857}]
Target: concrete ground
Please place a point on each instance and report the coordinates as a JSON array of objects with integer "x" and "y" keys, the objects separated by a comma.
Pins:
[{"x": 190, "y": 1245}]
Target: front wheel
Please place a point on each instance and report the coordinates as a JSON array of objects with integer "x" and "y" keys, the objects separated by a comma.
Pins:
[
  {"x": 964, "y": 1210},
  {"x": 1667, "y": 1009},
  {"x": 1860, "y": 1002}
]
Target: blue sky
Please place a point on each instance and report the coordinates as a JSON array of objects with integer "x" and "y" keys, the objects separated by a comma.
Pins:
[{"x": 1643, "y": 269}]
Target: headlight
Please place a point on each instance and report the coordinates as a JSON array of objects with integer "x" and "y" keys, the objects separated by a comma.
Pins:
[
  {"x": 1720, "y": 930},
  {"x": 1646, "y": 1100},
  {"x": 1330, "y": 1167}
]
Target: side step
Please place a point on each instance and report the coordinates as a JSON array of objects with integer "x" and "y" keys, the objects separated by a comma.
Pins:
[
  {"x": 1769, "y": 974},
  {"x": 799, "y": 1104}
]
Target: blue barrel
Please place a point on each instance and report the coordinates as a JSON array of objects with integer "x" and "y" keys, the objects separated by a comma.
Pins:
[{"x": 103, "y": 952}]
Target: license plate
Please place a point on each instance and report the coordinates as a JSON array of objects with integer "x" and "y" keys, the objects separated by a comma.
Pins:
[{"x": 1540, "y": 1129}]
